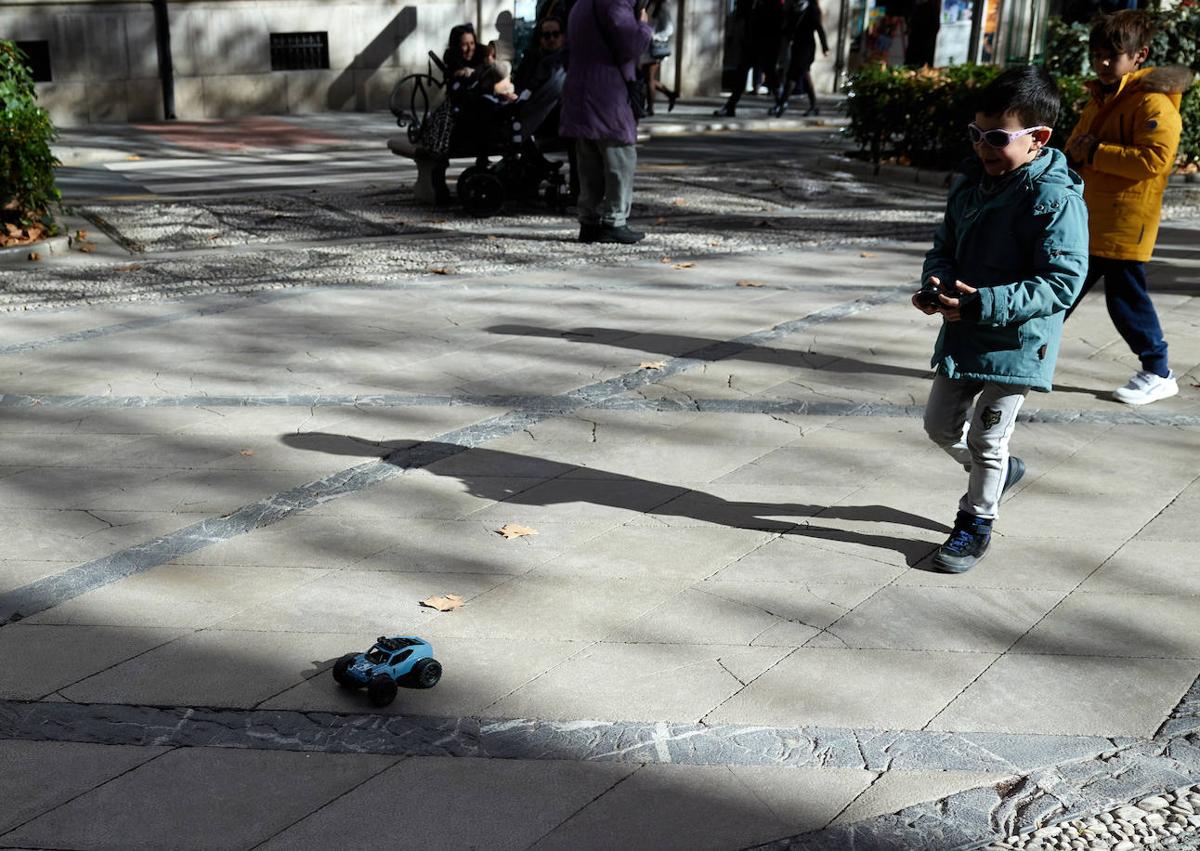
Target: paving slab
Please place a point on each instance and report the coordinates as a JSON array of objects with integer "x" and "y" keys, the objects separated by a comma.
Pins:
[
  {"x": 1070, "y": 694},
  {"x": 465, "y": 804},
  {"x": 644, "y": 681},
  {"x": 710, "y": 808},
  {"x": 216, "y": 798},
  {"x": 34, "y": 781},
  {"x": 1091, "y": 623},
  {"x": 881, "y": 689},
  {"x": 53, "y": 657}
]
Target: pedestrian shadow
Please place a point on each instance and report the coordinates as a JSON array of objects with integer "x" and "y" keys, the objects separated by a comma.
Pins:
[
  {"x": 708, "y": 349},
  {"x": 489, "y": 474}
]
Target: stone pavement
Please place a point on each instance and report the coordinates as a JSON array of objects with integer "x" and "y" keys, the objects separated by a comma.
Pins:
[{"x": 247, "y": 435}]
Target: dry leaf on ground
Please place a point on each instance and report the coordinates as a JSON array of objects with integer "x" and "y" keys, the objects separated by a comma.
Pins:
[
  {"x": 246, "y": 453},
  {"x": 867, "y": 254},
  {"x": 682, "y": 265},
  {"x": 680, "y": 202},
  {"x": 515, "y": 530},
  {"x": 133, "y": 157},
  {"x": 652, "y": 364},
  {"x": 34, "y": 256},
  {"x": 132, "y": 267},
  {"x": 440, "y": 270},
  {"x": 87, "y": 247},
  {"x": 443, "y": 603},
  {"x": 750, "y": 284},
  {"x": 664, "y": 260}
]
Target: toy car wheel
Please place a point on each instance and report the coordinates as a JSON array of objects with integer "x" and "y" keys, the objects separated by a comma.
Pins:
[
  {"x": 381, "y": 690},
  {"x": 339, "y": 671},
  {"x": 482, "y": 194},
  {"x": 426, "y": 673}
]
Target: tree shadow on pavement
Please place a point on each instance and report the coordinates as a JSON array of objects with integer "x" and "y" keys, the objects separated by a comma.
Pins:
[{"x": 555, "y": 485}]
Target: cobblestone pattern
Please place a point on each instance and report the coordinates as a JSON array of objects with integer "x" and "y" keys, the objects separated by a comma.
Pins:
[
  {"x": 1047, "y": 804},
  {"x": 1157, "y": 821}
]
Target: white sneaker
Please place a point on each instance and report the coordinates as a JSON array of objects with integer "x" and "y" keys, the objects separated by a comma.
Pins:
[{"x": 1146, "y": 387}]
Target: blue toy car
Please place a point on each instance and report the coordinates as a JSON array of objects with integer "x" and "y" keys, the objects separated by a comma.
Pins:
[{"x": 401, "y": 659}]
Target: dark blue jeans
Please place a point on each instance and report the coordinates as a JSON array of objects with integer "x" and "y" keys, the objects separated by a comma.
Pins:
[{"x": 1130, "y": 309}]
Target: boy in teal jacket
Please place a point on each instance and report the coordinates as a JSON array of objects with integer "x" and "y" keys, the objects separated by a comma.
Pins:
[{"x": 1007, "y": 262}]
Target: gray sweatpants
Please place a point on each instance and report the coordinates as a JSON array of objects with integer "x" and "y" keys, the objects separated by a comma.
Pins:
[
  {"x": 605, "y": 181},
  {"x": 982, "y": 446}
]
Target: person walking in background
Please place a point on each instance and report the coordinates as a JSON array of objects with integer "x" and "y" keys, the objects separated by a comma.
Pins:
[
  {"x": 663, "y": 22},
  {"x": 605, "y": 39},
  {"x": 807, "y": 22},
  {"x": 1007, "y": 261},
  {"x": 1124, "y": 147},
  {"x": 762, "y": 27}
]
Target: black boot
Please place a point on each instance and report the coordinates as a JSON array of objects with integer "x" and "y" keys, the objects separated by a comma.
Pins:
[{"x": 968, "y": 543}]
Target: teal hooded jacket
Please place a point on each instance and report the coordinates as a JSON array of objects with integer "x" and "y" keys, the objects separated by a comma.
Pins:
[{"x": 1025, "y": 246}]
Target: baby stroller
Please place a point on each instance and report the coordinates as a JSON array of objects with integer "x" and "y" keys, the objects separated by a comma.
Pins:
[{"x": 445, "y": 118}]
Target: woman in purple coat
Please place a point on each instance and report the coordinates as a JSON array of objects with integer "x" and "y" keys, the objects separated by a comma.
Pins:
[{"x": 605, "y": 39}]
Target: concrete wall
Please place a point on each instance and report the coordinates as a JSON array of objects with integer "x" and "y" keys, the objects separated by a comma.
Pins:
[{"x": 104, "y": 56}]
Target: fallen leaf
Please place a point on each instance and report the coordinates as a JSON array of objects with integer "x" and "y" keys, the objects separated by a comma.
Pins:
[
  {"x": 133, "y": 157},
  {"x": 664, "y": 259},
  {"x": 132, "y": 267},
  {"x": 246, "y": 453},
  {"x": 866, "y": 254},
  {"x": 682, "y": 265},
  {"x": 34, "y": 256},
  {"x": 515, "y": 530},
  {"x": 443, "y": 603},
  {"x": 713, "y": 243},
  {"x": 652, "y": 364},
  {"x": 214, "y": 236},
  {"x": 440, "y": 270},
  {"x": 750, "y": 284},
  {"x": 87, "y": 247},
  {"x": 680, "y": 202}
]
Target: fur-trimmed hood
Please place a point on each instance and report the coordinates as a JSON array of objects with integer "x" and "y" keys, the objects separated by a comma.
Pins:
[{"x": 1166, "y": 79}]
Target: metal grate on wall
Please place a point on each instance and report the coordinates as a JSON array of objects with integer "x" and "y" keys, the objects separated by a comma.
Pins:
[
  {"x": 37, "y": 59},
  {"x": 299, "y": 51}
]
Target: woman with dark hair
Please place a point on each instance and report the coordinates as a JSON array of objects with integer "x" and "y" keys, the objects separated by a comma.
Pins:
[
  {"x": 807, "y": 17},
  {"x": 650, "y": 65},
  {"x": 462, "y": 56}
]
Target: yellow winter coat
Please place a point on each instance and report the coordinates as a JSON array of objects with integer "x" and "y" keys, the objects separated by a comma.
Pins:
[{"x": 1138, "y": 127}]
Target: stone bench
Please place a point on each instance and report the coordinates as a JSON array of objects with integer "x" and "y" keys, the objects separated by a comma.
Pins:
[{"x": 430, "y": 187}]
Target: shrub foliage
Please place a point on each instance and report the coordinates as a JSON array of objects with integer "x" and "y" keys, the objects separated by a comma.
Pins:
[
  {"x": 27, "y": 190},
  {"x": 920, "y": 116}
]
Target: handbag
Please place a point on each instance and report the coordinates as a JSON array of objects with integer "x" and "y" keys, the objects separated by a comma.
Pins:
[{"x": 635, "y": 89}]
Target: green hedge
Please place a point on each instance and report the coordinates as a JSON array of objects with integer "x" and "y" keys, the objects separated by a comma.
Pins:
[
  {"x": 919, "y": 117},
  {"x": 27, "y": 190}
]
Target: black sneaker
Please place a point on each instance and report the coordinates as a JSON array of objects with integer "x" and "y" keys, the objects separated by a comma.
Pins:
[
  {"x": 624, "y": 235},
  {"x": 726, "y": 111},
  {"x": 589, "y": 233},
  {"x": 968, "y": 544},
  {"x": 1016, "y": 471}
]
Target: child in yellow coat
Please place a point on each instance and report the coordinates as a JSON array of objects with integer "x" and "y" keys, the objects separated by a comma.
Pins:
[{"x": 1124, "y": 148}]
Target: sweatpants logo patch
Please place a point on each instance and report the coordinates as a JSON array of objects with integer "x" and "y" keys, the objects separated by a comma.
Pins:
[{"x": 991, "y": 416}]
